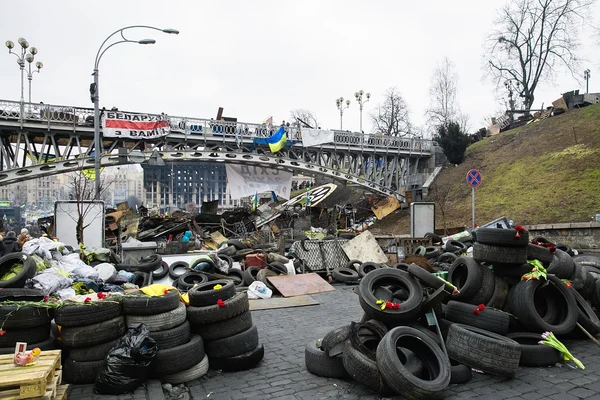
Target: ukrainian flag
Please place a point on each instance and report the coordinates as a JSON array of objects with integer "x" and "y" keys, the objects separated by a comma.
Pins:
[
  {"x": 255, "y": 202},
  {"x": 277, "y": 141}
]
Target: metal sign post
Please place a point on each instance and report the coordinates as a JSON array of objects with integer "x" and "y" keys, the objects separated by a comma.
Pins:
[{"x": 473, "y": 179}]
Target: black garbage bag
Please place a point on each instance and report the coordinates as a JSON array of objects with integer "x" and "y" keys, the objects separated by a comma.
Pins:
[{"x": 127, "y": 363}]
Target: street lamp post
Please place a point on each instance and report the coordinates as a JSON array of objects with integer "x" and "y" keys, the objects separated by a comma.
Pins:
[
  {"x": 23, "y": 56},
  {"x": 340, "y": 106},
  {"x": 94, "y": 90},
  {"x": 359, "y": 99},
  {"x": 587, "y": 74}
]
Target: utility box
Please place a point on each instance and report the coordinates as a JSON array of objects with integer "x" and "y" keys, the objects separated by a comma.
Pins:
[
  {"x": 132, "y": 253},
  {"x": 422, "y": 219}
]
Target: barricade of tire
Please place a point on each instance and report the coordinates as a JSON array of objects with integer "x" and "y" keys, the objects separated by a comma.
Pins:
[
  {"x": 491, "y": 310},
  {"x": 221, "y": 317}
]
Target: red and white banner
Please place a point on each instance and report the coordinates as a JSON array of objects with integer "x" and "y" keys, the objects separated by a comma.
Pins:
[{"x": 129, "y": 125}]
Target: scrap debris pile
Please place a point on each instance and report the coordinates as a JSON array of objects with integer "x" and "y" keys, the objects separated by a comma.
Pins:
[{"x": 504, "y": 302}]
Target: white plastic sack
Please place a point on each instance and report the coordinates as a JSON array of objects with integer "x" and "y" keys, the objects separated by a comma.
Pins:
[
  {"x": 105, "y": 270},
  {"x": 66, "y": 293},
  {"x": 51, "y": 281},
  {"x": 258, "y": 290},
  {"x": 85, "y": 271}
]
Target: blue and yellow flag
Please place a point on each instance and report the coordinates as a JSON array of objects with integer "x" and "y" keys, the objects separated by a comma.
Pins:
[
  {"x": 255, "y": 202},
  {"x": 277, "y": 141}
]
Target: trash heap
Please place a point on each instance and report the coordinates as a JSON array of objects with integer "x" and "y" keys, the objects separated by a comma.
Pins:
[{"x": 504, "y": 302}]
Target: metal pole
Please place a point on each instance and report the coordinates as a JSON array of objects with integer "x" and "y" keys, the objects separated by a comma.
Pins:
[
  {"x": 341, "y": 116},
  {"x": 96, "y": 134},
  {"x": 361, "y": 117},
  {"x": 473, "y": 204},
  {"x": 22, "y": 66}
]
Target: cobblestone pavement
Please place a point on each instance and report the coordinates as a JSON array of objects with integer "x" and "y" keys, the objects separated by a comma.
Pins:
[{"x": 282, "y": 374}]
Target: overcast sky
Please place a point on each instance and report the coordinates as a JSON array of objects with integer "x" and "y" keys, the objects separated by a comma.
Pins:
[{"x": 262, "y": 57}]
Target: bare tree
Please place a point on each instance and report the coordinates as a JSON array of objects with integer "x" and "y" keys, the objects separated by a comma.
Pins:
[
  {"x": 440, "y": 195},
  {"x": 304, "y": 116},
  {"x": 392, "y": 115},
  {"x": 82, "y": 190},
  {"x": 534, "y": 39},
  {"x": 442, "y": 94}
]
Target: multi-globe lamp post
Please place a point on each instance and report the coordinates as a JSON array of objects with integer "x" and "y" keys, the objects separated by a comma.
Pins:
[
  {"x": 359, "y": 99},
  {"x": 94, "y": 89},
  {"x": 24, "y": 54},
  {"x": 340, "y": 106}
]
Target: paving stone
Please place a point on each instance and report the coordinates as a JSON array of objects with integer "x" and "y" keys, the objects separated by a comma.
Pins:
[{"x": 581, "y": 393}]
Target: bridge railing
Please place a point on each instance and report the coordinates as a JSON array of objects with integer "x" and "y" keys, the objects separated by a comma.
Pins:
[{"x": 84, "y": 117}]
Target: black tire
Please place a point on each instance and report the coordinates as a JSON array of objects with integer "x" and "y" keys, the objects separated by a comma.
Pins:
[
  {"x": 161, "y": 321},
  {"x": 91, "y": 335},
  {"x": 236, "y": 305},
  {"x": 353, "y": 264},
  {"x": 161, "y": 272},
  {"x": 587, "y": 260},
  {"x": 487, "y": 319},
  {"x": 139, "y": 303},
  {"x": 362, "y": 369},
  {"x": 187, "y": 281},
  {"x": 320, "y": 364},
  {"x": 23, "y": 317},
  {"x": 432, "y": 251},
  {"x": 467, "y": 275},
  {"x": 502, "y": 237},
  {"x": 480, "y": 349},
  {"x": 20, "y": 294},
  {"x": 333, "y": 342},
  {"x": 208, "y": 260},
  {"x": 562, "y": 265},
  {"x": 227, "y": 259},
  {"x": 596, "y": 295},
  {"x": 409, "y": 309},
  {"x": 237, "y": 276},
  {"x": 434, "y": 238},
  {"x": 367, "y": 267},
  {"x": 455, "y": 246},
  {"x": 204, "y": 293},
  {"x": 263, "y": 275},
  {"x": 239, "y": 363},
  {"x": 365, "y": 336},
  {"x": 92, "y": 353},
  {"x": 277, "y": 267},
  {"x": 172, "y": 337},
  {"x": 250, "y": 275},
  {"x": 566, "y": 248},
  {"x": 47, "y": 344},
  {"x": 500, "y": 294},
  {"x": 142, "y": 279},
  {"x": 71, "y": 315},
  {"x": 460, "y": 373},
  {"x": 29, "y": 335},
  {"x": 223, "y": 329},
  {"x": 195, "y": 372},
  {"x": 496, "y": 254},
  {"x": 579, "y": 277},
  {"x": 177, "y": 359},
  {"x": 586, "y": 317},
  {"x": 488, "y": 284},
  {"x": 238, "y": 244},
  {"x": 395, "y": 373},
  {"x": 28, "y": 271},
  {"x": 540, "y": 253},
  {"x": 524, "y": 302},
  {"x": 84, "y": 372},
  {"x": 232, "y": 346},
  {"x": 401, "y": 266},
  {"x": 147, "y": 265},
  {"x": 428, "y": 279},
  {"x": 180, "y": 266},
  {"x": 345, "y": 274},
  {"x": 589, "y": 286},
  {"x": 534, "y": 354},
  {"x": 447, "y": 258},
  {"x": 515, "y": 271}
]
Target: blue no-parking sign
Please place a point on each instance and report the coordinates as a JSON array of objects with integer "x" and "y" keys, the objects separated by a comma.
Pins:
[{"x": 474, "y": 178}]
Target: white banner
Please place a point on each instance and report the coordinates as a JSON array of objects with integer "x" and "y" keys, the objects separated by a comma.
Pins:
[
  {"x": 315, "y": 137},
  {"x": 247, "y": 180},
  {"x": 130, "y": 125}
]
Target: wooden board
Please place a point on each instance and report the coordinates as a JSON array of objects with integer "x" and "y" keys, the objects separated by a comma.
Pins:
[
  {"x": 364, "y": 247},
  {"x": 61, "y": 392},
  {"x": 296, "y": 285},
  {"x": 29, "y": 382},
  {"x": 282, "y": 302}
]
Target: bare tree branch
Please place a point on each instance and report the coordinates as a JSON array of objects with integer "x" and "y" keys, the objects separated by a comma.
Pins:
[
  {"x": 391, "y": 117},
  {"x": 534, "y": 40},
  {"x": 302, "y": 115}
]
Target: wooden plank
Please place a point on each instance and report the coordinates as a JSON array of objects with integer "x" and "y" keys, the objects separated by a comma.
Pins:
[
  {"x": 282, "y": 302},
  {"x": 61, "y": 392},
  {"x": 296, "y": 285}
]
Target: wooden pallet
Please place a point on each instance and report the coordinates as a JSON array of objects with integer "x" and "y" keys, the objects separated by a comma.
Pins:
[{"x": 38, "y": 381}]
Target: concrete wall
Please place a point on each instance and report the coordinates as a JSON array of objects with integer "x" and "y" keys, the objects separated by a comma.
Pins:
[{"x": 579, "y": 235}]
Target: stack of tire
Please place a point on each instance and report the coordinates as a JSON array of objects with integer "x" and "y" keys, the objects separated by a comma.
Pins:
[
  {"x": 88, "y": 331},
  {"x": 144, "y": 271},
  {"x": 24, "y": 323},
  {"x": 180, "y": 357},
  {"x": 221, "y": 316}
]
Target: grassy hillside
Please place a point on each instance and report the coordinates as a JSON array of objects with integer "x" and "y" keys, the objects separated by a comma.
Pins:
[{"x": 544, "y": 172}]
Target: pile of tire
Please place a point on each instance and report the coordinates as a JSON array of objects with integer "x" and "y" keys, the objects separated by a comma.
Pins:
[
  {"x": 24, "y": 323},
  {"x": 180, "y": 357},
  {"x": 88, "y": 331},
  {"x": 146, "y": 271},
  {"x": 221, "y": 316},
  {"x": 490, "y": 314}
]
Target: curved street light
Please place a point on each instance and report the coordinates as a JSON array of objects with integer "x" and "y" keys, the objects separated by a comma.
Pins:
[
  {"x": 94, "y": 92},
  {"x": 28, "y": 57},
  {"x": 359, "y": 99},
  {"x": 340, "y": 106}
]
